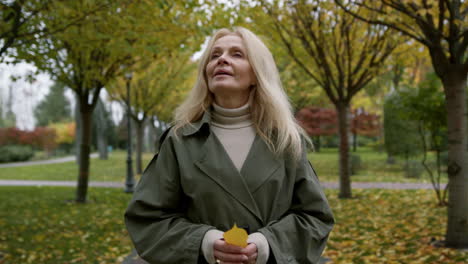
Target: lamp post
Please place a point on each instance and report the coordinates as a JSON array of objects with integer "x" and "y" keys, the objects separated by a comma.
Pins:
[{"x": 130, "y": 181}]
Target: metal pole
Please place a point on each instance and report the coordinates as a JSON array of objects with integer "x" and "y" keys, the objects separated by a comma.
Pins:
[{"x": 130, "y": 182}]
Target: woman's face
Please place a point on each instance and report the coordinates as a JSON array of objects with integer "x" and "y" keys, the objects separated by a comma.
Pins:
[{"x": 228, "y": 70}]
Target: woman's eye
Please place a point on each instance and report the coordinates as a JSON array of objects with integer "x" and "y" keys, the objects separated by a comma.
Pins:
[
  {"x": 214, "y": 55},
  {"x": 238, "y": 54}
]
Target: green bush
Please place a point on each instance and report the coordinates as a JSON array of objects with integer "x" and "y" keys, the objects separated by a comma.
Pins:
[
  {"x": 355, "y": 163},
  {"x": 11, "y": 153},
  {"x": 413, "y": 169},
  {"x": 444, "y": 158}
]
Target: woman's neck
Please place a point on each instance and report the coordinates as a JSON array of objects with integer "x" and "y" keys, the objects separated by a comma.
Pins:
[{"x": 231, "y": 101}]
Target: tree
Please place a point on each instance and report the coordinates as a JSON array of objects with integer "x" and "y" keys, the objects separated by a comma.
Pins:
[
  {"x": 155, "y": 91},
  {"x": 19, "y": 22},
  {"x": 336, "y": 50},
  {"x": 54, "y": 108},
  {"x": 7, "y": 117},
  {"x": 364, "y": 123},
  {"x": 442, "y": 28},
  {"x": 395, "y": 126},
  {"x": 426, "y": 107},
  {"x": 103, "y": 129},
  {"x": 317, "y": 122},
  {"x": 22, "y": 23},
  {"x": 88, "y": 55}
]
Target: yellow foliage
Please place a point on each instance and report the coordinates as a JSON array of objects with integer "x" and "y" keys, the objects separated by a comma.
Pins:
[{"x": 65, "y": 132}]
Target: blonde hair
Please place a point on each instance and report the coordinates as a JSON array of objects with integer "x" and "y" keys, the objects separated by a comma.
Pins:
[{"x": 271, "y": 111}]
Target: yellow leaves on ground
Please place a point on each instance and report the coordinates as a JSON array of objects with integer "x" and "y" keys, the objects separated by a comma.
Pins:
[
  {"x": 40, "y": 225},
  {"x": 389, "y": 226},
  {"x": 377, "y": 226},
  {"x": 236, "y": 236}
]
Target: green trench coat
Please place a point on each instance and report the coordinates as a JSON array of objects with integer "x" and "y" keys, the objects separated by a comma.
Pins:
[{"x": 193, "y": 187}]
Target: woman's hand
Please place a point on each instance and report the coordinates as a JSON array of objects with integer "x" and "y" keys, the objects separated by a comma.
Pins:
[
  {"x": 251, "y": 252},
  {"x": 230, "y": 254}
]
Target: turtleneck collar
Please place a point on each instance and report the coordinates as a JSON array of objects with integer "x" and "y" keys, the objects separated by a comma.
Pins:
[{"x": 232, "y": 118}]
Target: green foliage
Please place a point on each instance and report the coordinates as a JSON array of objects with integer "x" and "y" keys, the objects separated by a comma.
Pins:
[
  {"x": 159, "y": 88},
  {"x": 12, "y": 153},
  {"x": 401, "y": 135},
  {"x": 355, "y": 163},
  {"x": 426, "y": 106},
  {"x": 20, "y": 23},
  {"x": 413, "y": 169},
  {"x": 54, "y": 108}
]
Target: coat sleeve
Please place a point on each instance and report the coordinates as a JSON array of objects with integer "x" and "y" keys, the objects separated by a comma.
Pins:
[
  {"x": 300, "y": 235},
  {"x": 155, "y": 216}
]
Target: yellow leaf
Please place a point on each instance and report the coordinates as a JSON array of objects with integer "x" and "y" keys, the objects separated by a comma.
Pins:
[{"x": 236, "y": 236}]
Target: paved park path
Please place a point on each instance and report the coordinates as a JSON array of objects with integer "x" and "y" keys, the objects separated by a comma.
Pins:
[{"x": 42, "y": 162}]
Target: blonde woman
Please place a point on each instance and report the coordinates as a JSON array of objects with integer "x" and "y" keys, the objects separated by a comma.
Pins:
[{"x": 234, "y": 156}]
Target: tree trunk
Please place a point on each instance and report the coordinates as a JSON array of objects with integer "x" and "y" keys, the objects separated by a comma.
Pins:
[
  {"x": 342, "y": 109},
  {"x": 457, "y": 223},
  {"x": 101, "y": 130},
  {"x": 139, "y": 146},
  {"x": 152, "y": 136},
  {"x": 78, "y": 129},
  {"x": 85, "y": 149}
]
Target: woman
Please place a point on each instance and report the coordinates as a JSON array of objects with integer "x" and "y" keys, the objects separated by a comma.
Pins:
[{"x": 234, "y": 156}]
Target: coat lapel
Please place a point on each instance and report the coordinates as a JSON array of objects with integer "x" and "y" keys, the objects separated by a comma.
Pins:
[
  {"x": 216, "y": 164},
  {"x": 259, "y": 165}
]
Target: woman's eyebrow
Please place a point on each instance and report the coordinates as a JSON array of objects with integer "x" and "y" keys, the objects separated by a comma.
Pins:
[{"x": 235, "y": 47}]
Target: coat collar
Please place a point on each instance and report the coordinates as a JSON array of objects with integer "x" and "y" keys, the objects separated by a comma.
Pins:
[{"x": 194, "y": 127}]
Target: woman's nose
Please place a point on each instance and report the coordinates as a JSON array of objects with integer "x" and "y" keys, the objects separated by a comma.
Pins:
[{"x": 222, "y": 59}]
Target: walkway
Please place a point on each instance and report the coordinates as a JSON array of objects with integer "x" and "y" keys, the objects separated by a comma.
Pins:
[
  {"x": 326, "y": 185},
  {"x": 42, "y": 162}
]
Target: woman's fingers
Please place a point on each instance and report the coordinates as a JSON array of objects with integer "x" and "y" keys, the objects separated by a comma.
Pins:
[
  {"x": 250, "y": 249},
  {"x": 229, "y": 257},
  {"x": 222, "y": 246},
  {"x": 229, "y": 253},
  {"x": 251, "y": 252}
]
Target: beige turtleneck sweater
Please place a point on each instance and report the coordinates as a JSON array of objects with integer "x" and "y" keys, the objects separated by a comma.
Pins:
[{"x": 235, "y": 131}]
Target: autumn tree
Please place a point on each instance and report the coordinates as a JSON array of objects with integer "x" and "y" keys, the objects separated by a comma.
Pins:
[
  {"x": 339, "y": 52},
  {"x": 317, "y": 122},
  {"x": 441, "y": 26},
  {"x": 365, "y": 124},
  {"x": 22, "y": 23},
  {"x": 155, "y": 91},
  {"x": 88, "y": 55}
]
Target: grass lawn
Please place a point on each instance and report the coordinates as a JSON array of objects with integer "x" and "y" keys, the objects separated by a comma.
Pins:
[
  {"x": 113, "y": 169},
  {"x": 374, "y": 168},
  {"x": 38, "y": 225}
]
